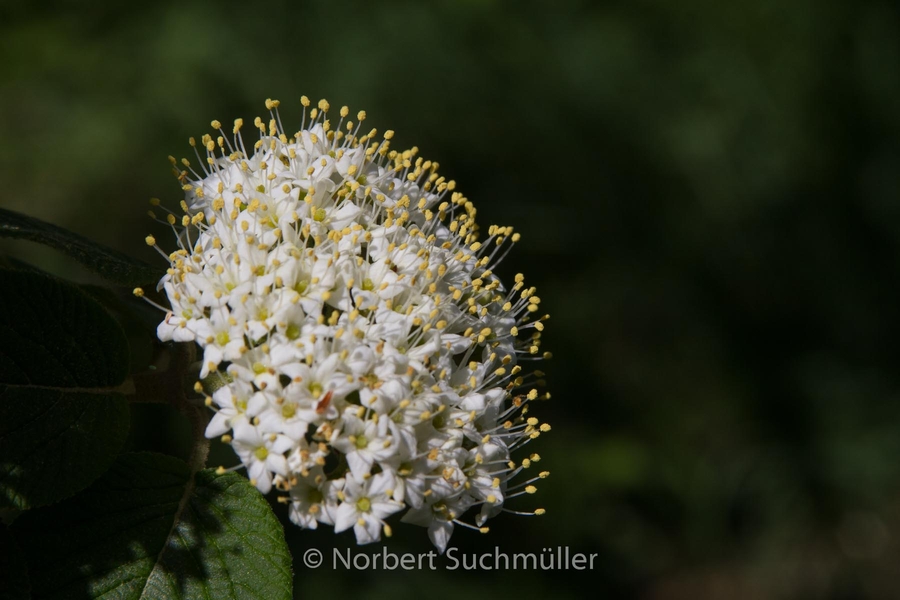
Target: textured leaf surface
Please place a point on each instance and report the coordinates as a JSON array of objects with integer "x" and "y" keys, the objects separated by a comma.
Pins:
[
  {"x": 108, "y": 263},
  {"x": 63, "y": 417},
  {"x": 145, "y": 531}
]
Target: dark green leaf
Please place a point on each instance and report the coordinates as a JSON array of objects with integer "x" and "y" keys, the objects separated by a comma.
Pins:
[
  {"x": 138, "y": 319},
  {"x": 13, "y": 569},
  {"x": 144, "y": 530},
  {"x": 106, "y": 262},
  {"x": 63, "y": 416},
  {"x": 13, "y": 263}
]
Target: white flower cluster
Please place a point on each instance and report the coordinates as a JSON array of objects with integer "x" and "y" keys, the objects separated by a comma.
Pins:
[{"x": 364, "y": 358}]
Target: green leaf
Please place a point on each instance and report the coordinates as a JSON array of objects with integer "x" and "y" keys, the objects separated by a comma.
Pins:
[
  {"x": 146, "y": 530},
  {"x": 63, "y": 414},
  {"x": 108, "y": 263},
  {"x": 138, "y": 319},
  {"x": 13, "y": 569},
  {"x": 11, "y": 262}
]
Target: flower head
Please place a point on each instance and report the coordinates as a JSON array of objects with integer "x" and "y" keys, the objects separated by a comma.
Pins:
[{"x": 371, "y": 361}]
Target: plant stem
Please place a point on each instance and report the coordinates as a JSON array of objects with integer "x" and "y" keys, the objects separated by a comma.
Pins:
[{"x": 172, "y": 383}]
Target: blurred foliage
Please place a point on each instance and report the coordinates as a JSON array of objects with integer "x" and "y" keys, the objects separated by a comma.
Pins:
[{"x": 709, "y": 197}]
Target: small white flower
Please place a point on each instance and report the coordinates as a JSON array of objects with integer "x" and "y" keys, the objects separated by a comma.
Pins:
[
  {"x": 366, "y": 442},
  {"x": 436, "y": 517},
  {"x": 314, "y": 500},
  {"x": 365, "y": 507},
  {"x": 234, "y": 402},
  {"x": 262, "y": 454},
  {"x": 367, "y": 359}
]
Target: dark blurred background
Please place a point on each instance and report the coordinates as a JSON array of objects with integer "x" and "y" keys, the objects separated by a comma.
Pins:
[{"x": 709, "y": 197}]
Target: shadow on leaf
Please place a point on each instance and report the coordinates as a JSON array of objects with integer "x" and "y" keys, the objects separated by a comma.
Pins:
[{"x": 145, "y": 531}]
